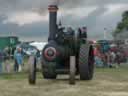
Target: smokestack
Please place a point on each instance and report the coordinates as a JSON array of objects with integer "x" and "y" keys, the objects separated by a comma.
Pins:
[{"x": 52, "y": 21}]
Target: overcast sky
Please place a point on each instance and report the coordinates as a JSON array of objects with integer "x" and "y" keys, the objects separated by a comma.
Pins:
[{"x": 28, "y": 19}]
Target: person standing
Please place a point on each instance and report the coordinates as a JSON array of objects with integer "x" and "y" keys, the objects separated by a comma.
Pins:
[
  {"x": 113, "y": 56},
  {"x": 82, "y": 32},
  {"x": 6, "y": 60},
  {"x": 15, "y": 61},
  {"x": 109, "y": 59},
  {"x": 118, "y": 58},
  {"x": 18, "y": 60},
  {"x": 1, "y": 61}
]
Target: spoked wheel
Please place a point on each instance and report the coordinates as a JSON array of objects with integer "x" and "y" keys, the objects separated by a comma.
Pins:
[
  {"x": 86, "y": 62},
  {"x": 72, "y": 70},
  {"x": 32, "y": 70}
]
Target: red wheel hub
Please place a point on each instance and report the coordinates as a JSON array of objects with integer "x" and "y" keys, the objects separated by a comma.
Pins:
[{"x": 50, "y": 53}]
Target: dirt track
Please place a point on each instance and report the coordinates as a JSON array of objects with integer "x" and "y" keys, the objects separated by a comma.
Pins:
[{"x": 106, "y": 82}]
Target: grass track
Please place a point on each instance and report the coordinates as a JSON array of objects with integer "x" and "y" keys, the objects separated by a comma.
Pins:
[{"x": 106, "y": 82}]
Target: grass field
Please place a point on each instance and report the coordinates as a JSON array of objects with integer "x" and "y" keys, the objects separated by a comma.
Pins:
[{"x": 106, "y": 82}]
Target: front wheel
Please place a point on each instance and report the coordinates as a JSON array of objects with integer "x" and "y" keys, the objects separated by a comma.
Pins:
[
  {"x": 72, "y": 70},
  {"x": 32, "y": 70}
]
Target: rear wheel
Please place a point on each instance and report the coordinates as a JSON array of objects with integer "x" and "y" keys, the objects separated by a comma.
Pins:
[
  {"x": 86, "y": 62},
  {"x": 72, "y": 70},
  {"x": 32, "y": 70}
]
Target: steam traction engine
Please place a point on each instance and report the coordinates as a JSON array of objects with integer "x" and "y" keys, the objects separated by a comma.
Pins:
[{"x": 65, "y": 53}]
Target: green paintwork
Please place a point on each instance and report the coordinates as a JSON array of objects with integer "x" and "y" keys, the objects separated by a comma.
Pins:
[{"x": 8, "y": 42}]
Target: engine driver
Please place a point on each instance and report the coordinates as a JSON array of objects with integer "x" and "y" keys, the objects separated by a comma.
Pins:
[{"x": 83, "y": 32}]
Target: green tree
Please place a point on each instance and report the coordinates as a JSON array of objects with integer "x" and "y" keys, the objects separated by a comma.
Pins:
[{"x": 123, "y": 24}]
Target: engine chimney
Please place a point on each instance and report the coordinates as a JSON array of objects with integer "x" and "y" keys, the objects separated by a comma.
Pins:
[{"x": 52, "y": 21}]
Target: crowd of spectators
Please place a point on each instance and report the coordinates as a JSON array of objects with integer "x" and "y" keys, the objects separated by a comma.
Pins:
[
  {"x": 14, "y": 62},
  {"x": 110, "y": 58}
]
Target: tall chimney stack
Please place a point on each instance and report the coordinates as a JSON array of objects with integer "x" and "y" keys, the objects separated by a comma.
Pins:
[{"x": 52, "y": 21}]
